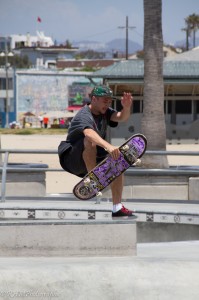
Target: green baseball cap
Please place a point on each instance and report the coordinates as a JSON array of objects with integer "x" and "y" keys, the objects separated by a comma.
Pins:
[{"x": 102, "y": 91}]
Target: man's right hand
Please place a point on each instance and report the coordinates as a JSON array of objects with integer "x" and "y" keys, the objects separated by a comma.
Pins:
[{"x": 113, "y": 151}]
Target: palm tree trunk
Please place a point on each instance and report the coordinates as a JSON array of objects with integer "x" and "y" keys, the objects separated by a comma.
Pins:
[
  {"x": 194, "y": 38},
  {"x": 153, "y": 119}
]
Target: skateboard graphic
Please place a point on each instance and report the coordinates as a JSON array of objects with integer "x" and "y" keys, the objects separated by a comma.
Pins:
[{"x": 107, "y": 170}]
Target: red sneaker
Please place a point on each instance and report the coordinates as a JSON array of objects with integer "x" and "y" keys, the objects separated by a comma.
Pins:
[{"x": 124, "y": 213}]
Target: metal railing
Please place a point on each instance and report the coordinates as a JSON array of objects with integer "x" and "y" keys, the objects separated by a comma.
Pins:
[{"x": 131, "y": 171}]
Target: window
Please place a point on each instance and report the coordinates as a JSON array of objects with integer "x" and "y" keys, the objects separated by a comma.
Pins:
[
  {"x": 2, "y": 105},
  {"x": 183, "y": 107},
  {"x": 197, "y": 106},
  {"x": 136, "y": 106},
  {"x": 2, "y": 84},
  {"x": 180, "y": 106}
]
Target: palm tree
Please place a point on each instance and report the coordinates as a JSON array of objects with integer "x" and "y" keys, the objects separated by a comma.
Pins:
[
  {"x": 192, "y": 22},
  {"x": 188, "y": 31},
  {"x": 153, "y": 119}
]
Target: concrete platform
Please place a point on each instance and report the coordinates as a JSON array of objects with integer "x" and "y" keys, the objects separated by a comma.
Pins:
[{"x": 158, "y": 221}]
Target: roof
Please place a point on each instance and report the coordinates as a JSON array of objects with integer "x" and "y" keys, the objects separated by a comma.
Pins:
[
  {"x": 135, "y": 69},
  {"x": 93, "y": 63},
  {"x": 192, "y": 55}
]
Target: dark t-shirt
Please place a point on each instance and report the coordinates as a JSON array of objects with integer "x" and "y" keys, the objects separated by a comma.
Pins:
[
  {"x": 85, "y": 119},
  {"x": 70, "y": 151}
]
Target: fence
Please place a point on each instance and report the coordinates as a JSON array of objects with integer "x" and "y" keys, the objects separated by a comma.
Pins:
[{"x": 131, "y": 171}]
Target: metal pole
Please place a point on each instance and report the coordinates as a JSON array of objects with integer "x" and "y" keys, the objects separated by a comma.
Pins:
[
  {"x": 127, "y": 38},
  {"x": 7, "y": 87},
  {"x": 4, "y": 176}
]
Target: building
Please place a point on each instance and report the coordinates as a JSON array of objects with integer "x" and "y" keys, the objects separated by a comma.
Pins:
[
  {"x": 15, "y": 41},
  {"x": 7, "y": 99},
  {"x": 47, "y": 92},
  {"x": 181, "y": 90},
  {"x": 40, "y": 49},
  {"x": 41, "y": 90}
]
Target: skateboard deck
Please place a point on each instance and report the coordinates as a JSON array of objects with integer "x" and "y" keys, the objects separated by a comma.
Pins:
[{"x": 107, "y": 170}]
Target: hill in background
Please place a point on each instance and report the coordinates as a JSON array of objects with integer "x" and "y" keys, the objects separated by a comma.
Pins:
[{"x": 118, "y": 45}]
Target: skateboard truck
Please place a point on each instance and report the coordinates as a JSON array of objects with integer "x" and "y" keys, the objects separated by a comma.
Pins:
[
  {"x": 137, "y": 162},
  {"x": 99, "y": 194},
  {"x": 87, "y": 183},
  {"x": 125, "y": 147}
]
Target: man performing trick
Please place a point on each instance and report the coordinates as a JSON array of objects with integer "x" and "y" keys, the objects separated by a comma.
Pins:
[{"x": 86, "y": 143}]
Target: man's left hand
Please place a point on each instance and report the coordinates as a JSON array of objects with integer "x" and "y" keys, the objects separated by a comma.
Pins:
[{"x": 126, "y": 100}]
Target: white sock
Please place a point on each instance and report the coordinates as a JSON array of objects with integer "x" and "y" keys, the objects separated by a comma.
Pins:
[{"x": 117, "y": 207}]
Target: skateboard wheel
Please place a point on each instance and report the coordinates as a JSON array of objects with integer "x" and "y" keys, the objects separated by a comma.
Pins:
[
  {"x": 138, "y": 162},
  {"x": 125, "y": 147},
  {"x": 87, "y": 181},
  {"x": 84, "y": 191},
  {"x": 99, "y": 194}
]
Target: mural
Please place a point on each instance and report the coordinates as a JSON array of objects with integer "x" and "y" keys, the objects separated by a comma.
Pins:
[
  {"x": 42, "y": 93},
  {"x": 78, "y": 95}
]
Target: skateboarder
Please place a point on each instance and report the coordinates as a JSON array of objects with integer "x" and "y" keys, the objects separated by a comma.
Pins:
[{"x": 86, "y": 143}]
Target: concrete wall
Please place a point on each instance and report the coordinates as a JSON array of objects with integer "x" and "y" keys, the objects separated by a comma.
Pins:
[
  {"x": 148, "y": 232},
  {"x": 84, "y": 238},
  {"x": 161, "y": 187},
  {"x": 25, "y": 182}
]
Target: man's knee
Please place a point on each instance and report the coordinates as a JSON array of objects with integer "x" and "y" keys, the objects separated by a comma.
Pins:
[{"x": 88, "y": 145}]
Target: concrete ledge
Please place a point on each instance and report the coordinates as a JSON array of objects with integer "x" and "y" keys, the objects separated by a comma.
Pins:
[
  {"x": 26, "y": 188},
  {"x": 194, "y": 188},
  {"x": 148, "y": 232},
  {"x": 153, "y": 191},
  {"x": 159, "y": 187},
  {"x": 83, "y": 238},
  {"x": 22, "y": 180}
]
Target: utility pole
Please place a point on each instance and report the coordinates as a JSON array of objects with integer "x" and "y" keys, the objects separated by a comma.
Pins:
[{"x": 127, "y": 27}]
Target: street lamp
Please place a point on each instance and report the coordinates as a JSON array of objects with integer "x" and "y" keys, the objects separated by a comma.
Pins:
[{"x": 7, "y": 54}]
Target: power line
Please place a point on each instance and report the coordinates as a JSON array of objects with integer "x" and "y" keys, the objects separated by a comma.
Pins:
[{"x": 100, "y": 33}]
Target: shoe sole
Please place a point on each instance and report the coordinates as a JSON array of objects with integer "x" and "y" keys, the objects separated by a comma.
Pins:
[{"x": 124, "y": 217}]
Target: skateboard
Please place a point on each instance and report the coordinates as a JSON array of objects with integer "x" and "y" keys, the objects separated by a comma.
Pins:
[{"x": 107, "y": 170}]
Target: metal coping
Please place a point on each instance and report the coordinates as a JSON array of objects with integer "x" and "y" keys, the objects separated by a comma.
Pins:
[{"x": 66, "y": 222}]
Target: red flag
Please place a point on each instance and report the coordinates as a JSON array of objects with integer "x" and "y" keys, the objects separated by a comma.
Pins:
[{"x": 39, "y": 19}]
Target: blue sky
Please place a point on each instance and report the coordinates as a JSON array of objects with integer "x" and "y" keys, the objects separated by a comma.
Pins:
[{"x": 97, "y": 20}]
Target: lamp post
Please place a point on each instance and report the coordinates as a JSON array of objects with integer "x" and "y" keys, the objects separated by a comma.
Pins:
[{"x": 7, "y": 54}]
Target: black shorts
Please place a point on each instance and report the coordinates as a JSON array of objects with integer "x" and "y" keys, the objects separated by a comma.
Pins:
[{"x": 72, "y": 160}]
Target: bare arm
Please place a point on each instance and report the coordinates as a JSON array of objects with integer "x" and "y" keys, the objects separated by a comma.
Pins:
[
  {"x": 94, "y": 138},
  {"x": 124, "y": 114}
]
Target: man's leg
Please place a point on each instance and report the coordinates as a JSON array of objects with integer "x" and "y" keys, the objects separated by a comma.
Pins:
[
  {"x": 117, "y": 188},
  {"x": 89, "y": 154},
  {"x": 118, "y": 208}
]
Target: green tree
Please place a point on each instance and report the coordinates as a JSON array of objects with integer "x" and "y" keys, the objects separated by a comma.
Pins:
[
  {"x": 68, "y": 44},
  {"x": 192, "y": 25},
  {"x": 17, "y": 61},
  {"x": 188, "y": 32},
  {"x": 153, "y": 119}
]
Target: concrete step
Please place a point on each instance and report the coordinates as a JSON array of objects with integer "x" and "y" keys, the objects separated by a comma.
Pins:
[{"x": 68, "y": 238}]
